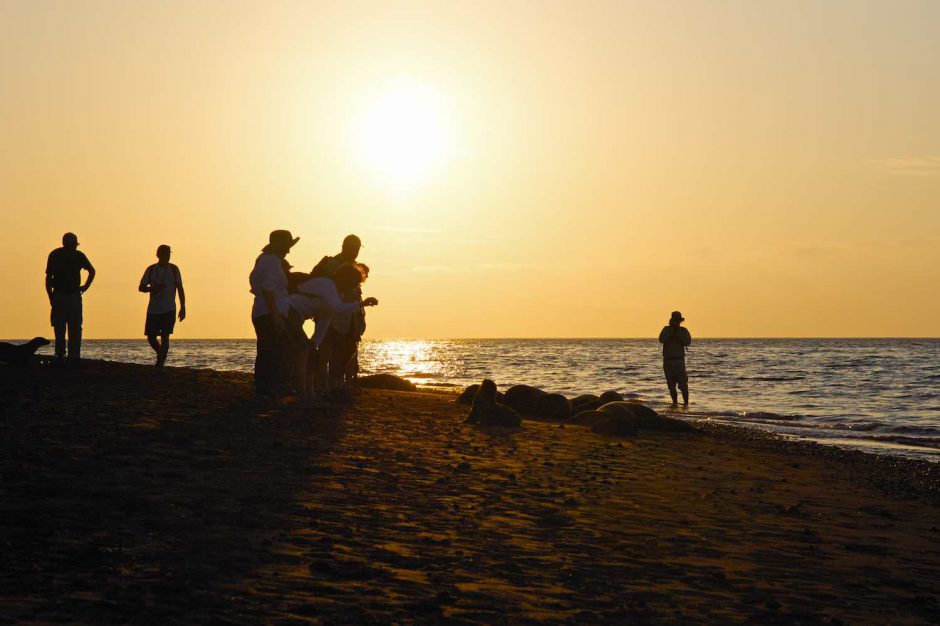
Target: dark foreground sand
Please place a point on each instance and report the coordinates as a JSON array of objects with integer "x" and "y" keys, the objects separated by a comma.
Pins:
[{"x": 130, "y": 495}]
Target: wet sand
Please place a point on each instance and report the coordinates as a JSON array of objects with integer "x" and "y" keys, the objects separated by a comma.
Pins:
[{"x": 132, "y": 495}]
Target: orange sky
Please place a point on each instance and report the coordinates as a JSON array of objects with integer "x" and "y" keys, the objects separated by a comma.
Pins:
[{"x": 523, "y": 169}]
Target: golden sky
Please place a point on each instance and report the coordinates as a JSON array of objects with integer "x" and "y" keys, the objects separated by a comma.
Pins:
[{"x": 515, "y": 169}]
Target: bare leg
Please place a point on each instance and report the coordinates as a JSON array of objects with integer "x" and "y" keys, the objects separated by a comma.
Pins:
[
  {"x": 152, "y": 340},
  {"x": 684, "y": 387},
  {"x": 673, "y": 394},
  {"x": 164, "y": 347}
]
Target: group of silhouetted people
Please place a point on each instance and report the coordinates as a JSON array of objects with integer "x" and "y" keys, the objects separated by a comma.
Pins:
[{"x": 288, "y": 362}]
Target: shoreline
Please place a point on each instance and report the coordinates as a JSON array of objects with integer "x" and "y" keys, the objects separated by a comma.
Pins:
[
  {"x": 137, "y": 495},
  {"x": 870, "y": 397}
]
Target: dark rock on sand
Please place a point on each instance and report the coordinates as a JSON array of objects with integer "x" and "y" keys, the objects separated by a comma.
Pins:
[
  {"x": 579, "y": 401},
  {"x": 486, "y": 411},
  {"x": 554, "y": 405},
  {"x": 468, "y": 394},
  {"x": 645, "y": 418},
  {"x": 386, "y": 381},
  {"x": 524, "y": 398},
  {"x": 610, "y": 396}
]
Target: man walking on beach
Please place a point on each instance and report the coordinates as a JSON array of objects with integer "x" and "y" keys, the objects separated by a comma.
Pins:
[
  {"x": 64, "y": 288},
  {"x": 268, "y": 282},
  {"x": 162, "y": 281},
  {"x": 675, "y": 338}
]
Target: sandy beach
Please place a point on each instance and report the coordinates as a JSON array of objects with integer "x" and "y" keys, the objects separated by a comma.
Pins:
[{"x": 133, "y": 495}]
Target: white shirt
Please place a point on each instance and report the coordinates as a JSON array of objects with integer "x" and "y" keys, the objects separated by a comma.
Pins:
[
  {"x": 317, "y": 299},
  {"x": 168, "y": 276},
  {"x": 268, "y": 275}
]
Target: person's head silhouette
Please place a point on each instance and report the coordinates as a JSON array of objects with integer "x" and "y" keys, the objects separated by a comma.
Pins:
[
  {"x": 163, "y": 254},
  {"x": 351, "y": 246},
  {"x": 280, "y": 242},
  {"x": 70, "y": 241}
]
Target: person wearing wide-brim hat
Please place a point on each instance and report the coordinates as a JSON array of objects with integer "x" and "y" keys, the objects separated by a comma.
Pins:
[
  {"x": 268, "y": 282},
  {"x": 675, "y": 339}
]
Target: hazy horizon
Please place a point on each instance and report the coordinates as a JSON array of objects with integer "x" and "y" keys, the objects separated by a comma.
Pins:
[{"x": 514, "y": 169}]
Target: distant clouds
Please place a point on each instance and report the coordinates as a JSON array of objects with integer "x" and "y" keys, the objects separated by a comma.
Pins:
[{"x": 909, "y": 165}]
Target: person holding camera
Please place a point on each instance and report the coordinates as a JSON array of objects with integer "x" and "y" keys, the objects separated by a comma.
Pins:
[
  {"x": 675, "y": 339},
  {"x": 162, "y": 281}
]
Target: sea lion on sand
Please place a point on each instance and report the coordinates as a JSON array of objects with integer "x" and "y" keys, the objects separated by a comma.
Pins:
[
  {"x": 645, "y": 418},
  {"x": 553, "y": 405},
  {"x": 486, "y": 411},
  {"x": 524, "y": 398},
  {"x": 21, "y": 354}
]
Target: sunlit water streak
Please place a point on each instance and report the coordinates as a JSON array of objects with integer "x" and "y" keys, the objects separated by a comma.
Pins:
[{"x": 878, "y": 394}]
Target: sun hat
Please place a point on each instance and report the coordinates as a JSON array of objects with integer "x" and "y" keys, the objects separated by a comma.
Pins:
[{"x": 281, "y": 239}]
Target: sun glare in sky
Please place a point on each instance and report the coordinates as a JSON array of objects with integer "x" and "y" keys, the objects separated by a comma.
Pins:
[{"x": 405, "y": 134}]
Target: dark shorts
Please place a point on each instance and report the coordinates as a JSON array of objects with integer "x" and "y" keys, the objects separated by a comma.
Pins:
[
  {"x": 160, "y": 324},
  {"x": 674, "y": 369}
]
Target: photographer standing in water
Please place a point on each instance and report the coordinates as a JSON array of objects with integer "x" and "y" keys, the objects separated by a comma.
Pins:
[{"x": 675, "y": 339}]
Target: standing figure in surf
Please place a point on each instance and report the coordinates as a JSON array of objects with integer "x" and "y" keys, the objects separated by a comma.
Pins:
[{"x": 675, "y": 339}]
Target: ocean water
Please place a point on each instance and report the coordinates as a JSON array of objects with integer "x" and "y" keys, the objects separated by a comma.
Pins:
[{"x": 881, "y": 395}]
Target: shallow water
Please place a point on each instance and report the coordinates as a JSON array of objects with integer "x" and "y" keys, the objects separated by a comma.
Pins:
[{"x": 881, "y": 395}]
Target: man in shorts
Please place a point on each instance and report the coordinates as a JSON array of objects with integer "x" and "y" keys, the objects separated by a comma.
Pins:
[
  {"x": 675, "y": 338},
  {"x": 162, "y": 281}
]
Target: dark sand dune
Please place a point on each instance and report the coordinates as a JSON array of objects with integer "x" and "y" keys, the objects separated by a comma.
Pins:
[{"x": 135, "y": 495}]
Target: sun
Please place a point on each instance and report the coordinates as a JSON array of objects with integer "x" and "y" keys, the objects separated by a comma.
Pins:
[{"x": 405, "y": 134}]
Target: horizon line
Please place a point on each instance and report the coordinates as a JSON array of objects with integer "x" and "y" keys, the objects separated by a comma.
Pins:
[{"x": 645, "y": 338}]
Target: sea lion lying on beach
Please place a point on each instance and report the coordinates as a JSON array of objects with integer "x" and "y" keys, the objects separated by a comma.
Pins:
[
  {"x": 486, "y": 411},
  {"x": 21, "y": 354}
]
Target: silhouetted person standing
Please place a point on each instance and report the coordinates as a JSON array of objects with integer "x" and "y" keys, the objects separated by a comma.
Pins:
[
  {"x": 162, "y": 281},
  {"x": 64, "y": 288},
  {"x": 341, "y": 345},
  {"x": 268, "y": 282},
  {"x": 675, "y": 338}
]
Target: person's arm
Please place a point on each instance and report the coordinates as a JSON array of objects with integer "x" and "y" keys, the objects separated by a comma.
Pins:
[
  {"x": 269, "y": 279},
  {"x": 49, "y": 275},
  {"x": 179, "y": 288},
  {"x": 686, "y": 337},
  {"x": 665, "y": 334},
  {"x": 91, "y": 274},
  {"x": 144, "y": 286}
]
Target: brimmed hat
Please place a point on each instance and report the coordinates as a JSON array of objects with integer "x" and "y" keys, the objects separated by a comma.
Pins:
[
  {"x": 677, "y": 316},
  {"x": 281, "y": 239}
]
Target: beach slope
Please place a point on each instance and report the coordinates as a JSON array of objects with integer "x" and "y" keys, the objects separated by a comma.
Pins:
[{"x": 135, "y": 495}]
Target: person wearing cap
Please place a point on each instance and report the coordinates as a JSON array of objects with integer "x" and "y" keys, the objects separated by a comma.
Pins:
[
  {"x": 268, "y": 280},
  {"x": 162, "y": 281},
  {"x": 341, "y": 345},
  {"x": 329, "y": 264},
  {"x": 64, "y": 288},
  {"x": 675, "y": 339}
]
